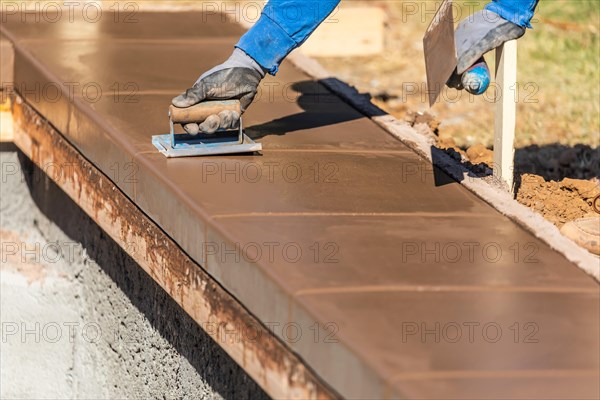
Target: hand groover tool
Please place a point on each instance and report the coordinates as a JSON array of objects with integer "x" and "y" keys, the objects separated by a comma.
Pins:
[{"x": 231, "y": 141}]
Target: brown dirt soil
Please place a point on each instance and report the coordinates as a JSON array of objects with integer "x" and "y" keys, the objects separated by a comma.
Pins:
[
  {"x": 558, "y": 182},
  {"x": 559, "y": 202}
]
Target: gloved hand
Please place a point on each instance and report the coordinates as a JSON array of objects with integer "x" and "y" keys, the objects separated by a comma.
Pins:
[
  {"x": 236, "y": 78},
  {"x": 481, "y": 32}
]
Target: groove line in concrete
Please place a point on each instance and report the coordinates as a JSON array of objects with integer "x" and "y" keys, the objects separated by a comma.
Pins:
[
  {"x": 478, "y": 374},
  {"x": 445, "y": 288},
  {"x": 417, "y": 214}
]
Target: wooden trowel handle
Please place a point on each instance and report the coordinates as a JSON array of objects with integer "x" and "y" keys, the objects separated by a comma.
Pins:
[{"x": 199, "y": 112}]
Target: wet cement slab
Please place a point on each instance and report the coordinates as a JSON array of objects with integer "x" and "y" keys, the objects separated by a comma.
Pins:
[
  {"x": 7, "y": 60},
  {"x": 305, "y": 182},
  {"x": 409, "y": 250},
  {"x": 123, "y": 22},
  {"x": 296, "y": 128},
  {"x": 452, "y": 340},
  {"x": 336, "y": 226}
]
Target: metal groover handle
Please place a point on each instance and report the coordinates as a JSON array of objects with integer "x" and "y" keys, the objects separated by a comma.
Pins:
[{"x": 199, "y": 112}]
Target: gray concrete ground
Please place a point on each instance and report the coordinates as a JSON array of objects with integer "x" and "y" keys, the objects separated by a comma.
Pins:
[{"x": 80, "y": 319}]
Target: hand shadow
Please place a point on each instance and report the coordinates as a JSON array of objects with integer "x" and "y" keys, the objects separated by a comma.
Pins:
[{"x": 321, "y": 108}]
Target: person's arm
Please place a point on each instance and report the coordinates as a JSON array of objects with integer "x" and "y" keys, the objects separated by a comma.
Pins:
[
  {"x": 519, "y": 12},
  {"x": 282, "y": 26}
]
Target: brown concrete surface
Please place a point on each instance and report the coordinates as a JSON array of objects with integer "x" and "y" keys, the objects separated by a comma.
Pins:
[
  {"x": 7, "y": 60},
  {"x": 386, "y": 257}
]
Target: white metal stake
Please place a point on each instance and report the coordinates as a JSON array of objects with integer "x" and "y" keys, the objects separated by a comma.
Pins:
[{"x": 506, "y": 110}]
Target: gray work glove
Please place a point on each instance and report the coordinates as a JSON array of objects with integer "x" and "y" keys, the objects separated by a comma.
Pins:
[
  {"x": 236, "y": 78},
  {"x": 479, "y": 33}
]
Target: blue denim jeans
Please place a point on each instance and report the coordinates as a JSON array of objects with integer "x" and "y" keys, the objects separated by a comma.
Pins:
[
  {"x": 283, "y": 26},
  {"x": 518, "y": 12}
]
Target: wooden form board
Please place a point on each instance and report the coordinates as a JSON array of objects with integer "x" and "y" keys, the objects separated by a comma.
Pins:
[{"x": 506, "y": 112}]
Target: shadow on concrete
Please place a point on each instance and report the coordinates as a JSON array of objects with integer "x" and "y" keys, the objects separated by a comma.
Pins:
[
  {"x": 450, "y": 161},
  {"x": 324, "y": 108},
  {"x": 211, "y": 362},
  {"x": 8, "y": 147},
  {"x": 321, "y": 108},
  {"x": 555, "y": 162},
  {"x": 552, "y": 162}
]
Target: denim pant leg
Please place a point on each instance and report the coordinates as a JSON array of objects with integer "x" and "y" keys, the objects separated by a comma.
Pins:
[{"x": 519, "y": 12}]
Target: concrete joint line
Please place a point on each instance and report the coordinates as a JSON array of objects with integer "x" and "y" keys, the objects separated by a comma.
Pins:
[{"x": 498, "y": 198}]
